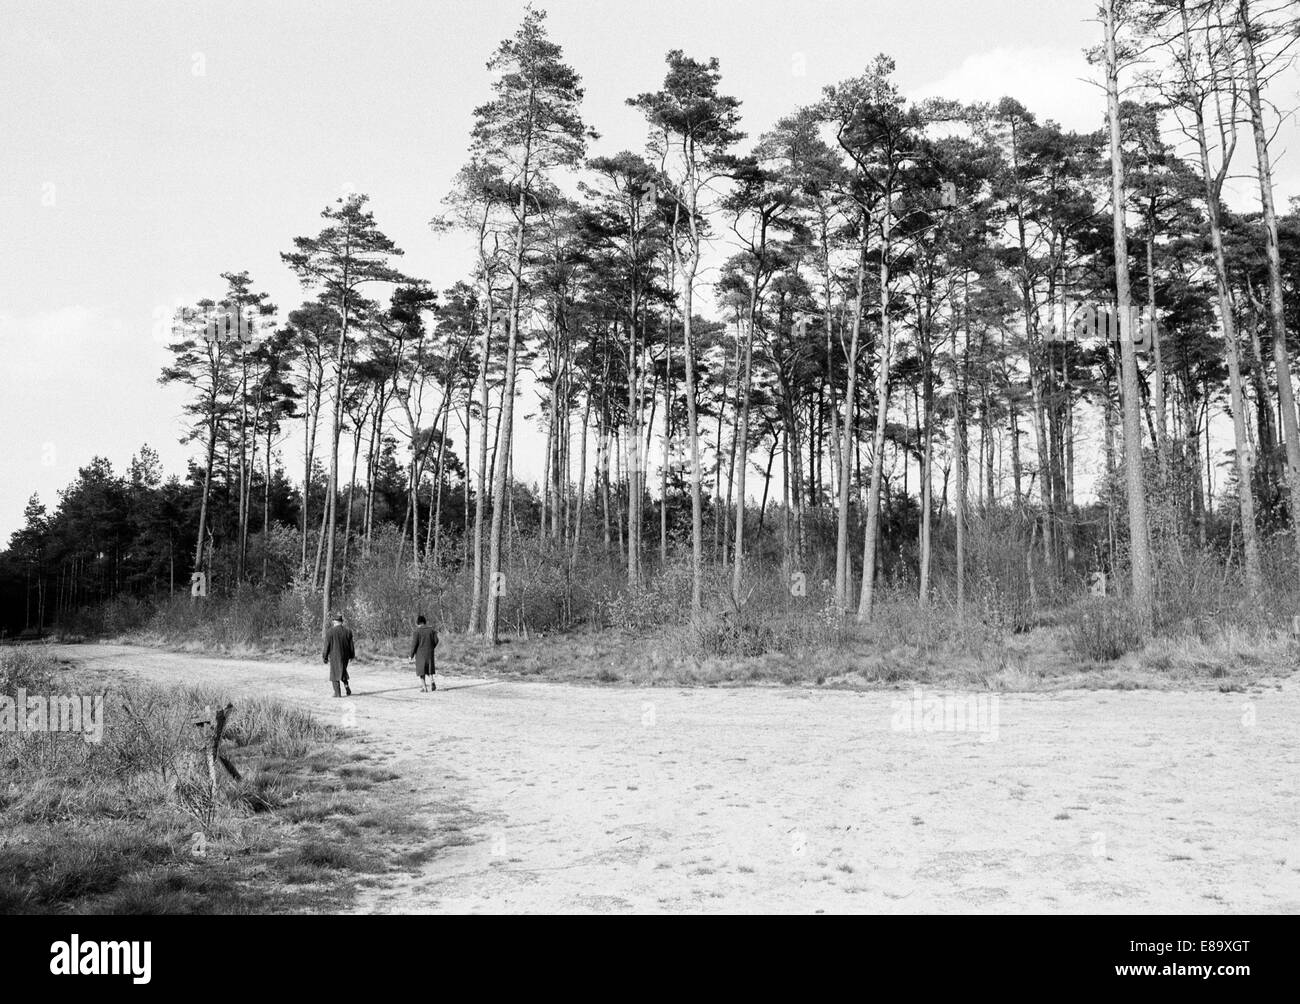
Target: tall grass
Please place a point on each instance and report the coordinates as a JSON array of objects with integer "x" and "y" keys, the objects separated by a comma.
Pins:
[
  {"x": 1103, "y": 630},
  {"x": 1010, "y": 591},
  {"x": 130, "y": 824}
]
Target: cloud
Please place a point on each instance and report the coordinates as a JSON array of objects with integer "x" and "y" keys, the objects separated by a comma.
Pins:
[
  {"x": 1051, "y": 82},
  {"x": 76, "y": 382},
  {"x": 1056, "y": 83}
]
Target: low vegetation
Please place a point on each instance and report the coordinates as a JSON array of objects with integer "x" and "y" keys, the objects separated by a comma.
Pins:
[
  {"x": 1018, "y": 627},
  {"x": 128, "y": 825}
]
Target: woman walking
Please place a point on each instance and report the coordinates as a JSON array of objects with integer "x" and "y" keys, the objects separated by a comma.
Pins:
[{"x": 422, "y": 646}]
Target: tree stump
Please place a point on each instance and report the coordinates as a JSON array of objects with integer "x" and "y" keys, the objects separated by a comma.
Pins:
[{"x": 213, "y": 730}]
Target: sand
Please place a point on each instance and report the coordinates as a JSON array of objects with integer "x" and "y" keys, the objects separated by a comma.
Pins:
[{"x": 581, "y": 799}]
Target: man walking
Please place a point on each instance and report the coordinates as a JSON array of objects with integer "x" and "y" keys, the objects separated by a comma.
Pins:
[
  {"x": 338, "y": 653},
  {"x": 422, "y": 646}
]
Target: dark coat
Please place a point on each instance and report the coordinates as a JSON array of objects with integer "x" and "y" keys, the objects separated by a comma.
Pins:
[
  {"x": 338, "y": 651},
  {"x": 422, "y": 646}
]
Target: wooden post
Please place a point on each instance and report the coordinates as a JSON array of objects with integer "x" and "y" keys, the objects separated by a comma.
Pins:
[{"x": 213, "y": 731}]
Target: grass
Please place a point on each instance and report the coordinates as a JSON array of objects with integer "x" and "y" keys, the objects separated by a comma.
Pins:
[
  {"x": 105, "y": 828},
  {"x": 941, "y": 650},
  {"x": 572, "y": 617},
  {"x": 1209, "y": 630},
  {"x": 1080, "y": 646},
  {"x": 1103, "y": 630}
]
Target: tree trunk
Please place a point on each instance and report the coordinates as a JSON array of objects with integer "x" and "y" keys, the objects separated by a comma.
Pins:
[
  {"x": 692, "y": 417},
  {"x": 843, "y": 573},
  {"x": 505, "y": 431},
  {"x": 582, "y": 481},
  {"x": 1277, "y": 314},
  {"x": 1139, "y": 547},
  {"x": 347, "y": 518},
  {"x": 927, "y": 476},
  {"x": 1158, "y": 376},
  {"x": 1213, "y": 182},
  {"x": 882, "y": 416},
  {"x": 742, "y": 447},
  {"x": 266, "y": 504},
  {"x": 207, "y": 490},
  {"x": 476, "y": 595}
]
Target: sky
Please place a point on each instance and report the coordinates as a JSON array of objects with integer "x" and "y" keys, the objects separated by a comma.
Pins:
[{"x": 148, "y": 147}]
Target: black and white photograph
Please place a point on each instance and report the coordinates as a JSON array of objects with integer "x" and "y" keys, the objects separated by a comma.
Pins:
[{"x": 713, "y": 458}]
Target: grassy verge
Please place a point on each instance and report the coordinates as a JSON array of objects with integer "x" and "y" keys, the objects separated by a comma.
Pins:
[
  {"x": 1043, "y": 658},
  {"x": 126, "y": 824},
  {"x": 1207, "y": 637}
]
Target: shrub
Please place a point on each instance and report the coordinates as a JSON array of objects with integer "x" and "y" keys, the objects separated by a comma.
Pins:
[
  {"x": 277, "y": 728},
  {"x": 730, "y": 632},
  {"x": 1103, "y": 630},
  {"x": 26, "y": 668}
]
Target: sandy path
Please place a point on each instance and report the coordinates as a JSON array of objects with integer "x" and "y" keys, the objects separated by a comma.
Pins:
[{"x": 590, "y": 799}]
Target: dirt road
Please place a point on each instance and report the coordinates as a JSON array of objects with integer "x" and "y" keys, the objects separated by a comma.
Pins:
[{"x": 797, "y": 800}]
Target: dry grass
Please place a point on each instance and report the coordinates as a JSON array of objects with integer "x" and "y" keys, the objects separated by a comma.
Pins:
[
  {"x": 903, "y": 645},
  {"x": 109, "y": 828},
  {"x": 1102, "y": 630},
  {"x": 1020, "y": 628}
]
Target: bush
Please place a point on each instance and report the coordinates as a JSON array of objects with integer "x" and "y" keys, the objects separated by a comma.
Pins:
[
  {"x": 1006, "y": 580},
  {"x": 1103, "y": 630},
  {"x": 730, "y": 632},
  {"x": 277, "y": 729},
  {"x": 26, "y": 668},
  {"x": 110, "y": 827}
]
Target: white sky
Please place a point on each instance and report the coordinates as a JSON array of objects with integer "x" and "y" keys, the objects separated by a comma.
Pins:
[{"x": 148, "y": 147}]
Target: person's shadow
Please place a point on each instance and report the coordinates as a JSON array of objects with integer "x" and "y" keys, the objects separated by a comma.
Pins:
[{"x": 412, "y": 690}]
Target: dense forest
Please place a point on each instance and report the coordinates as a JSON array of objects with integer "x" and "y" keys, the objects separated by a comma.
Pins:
[{"x": 937, "y": 354}]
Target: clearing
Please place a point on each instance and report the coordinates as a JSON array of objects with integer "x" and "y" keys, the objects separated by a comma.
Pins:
[{"x": 798, "y": 799}]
